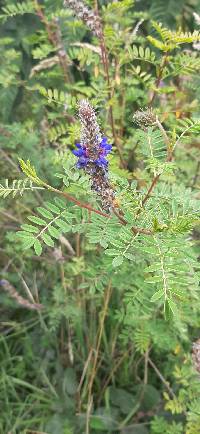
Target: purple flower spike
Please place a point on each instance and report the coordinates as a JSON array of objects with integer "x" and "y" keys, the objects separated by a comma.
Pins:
[
  {"x": 86, "y": 157},
  {"x": 92, "y": 152}
]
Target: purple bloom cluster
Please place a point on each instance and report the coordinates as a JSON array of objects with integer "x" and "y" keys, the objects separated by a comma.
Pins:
[
  {"x": 92, "y": 152},
  {"x": 84, "y": 157}
]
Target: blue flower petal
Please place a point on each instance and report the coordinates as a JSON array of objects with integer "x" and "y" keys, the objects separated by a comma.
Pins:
[
  {"x": 82, "y": 162},
  {"x": 79, "y": 152},
  {"x": 101, "y": 162},
  {"x": 104, "y": 139},
  {"x": 107, "y": 148}
]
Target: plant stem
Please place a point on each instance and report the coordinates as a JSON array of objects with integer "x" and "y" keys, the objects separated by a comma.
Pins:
[
  {"x": 54, "y": 36},
  {"x": 165, "y": 382},
  {"x": 148, "y": 194},
  {"x": 104, "y": 56},
  {"x": 96, "y": 354},
  {"x": 168, "y": 159},
  {"x": 76, "y": 201},
  {"x": 134, "y": 229},
  {"x": 159, "y": 78}
]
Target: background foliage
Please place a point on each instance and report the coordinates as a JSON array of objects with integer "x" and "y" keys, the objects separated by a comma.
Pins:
[{"x": 110, "y": 349}]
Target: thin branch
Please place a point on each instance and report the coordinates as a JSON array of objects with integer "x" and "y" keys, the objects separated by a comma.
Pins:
[
  {"x": 76, "y": 201},
  {"x": 85, "y": 368},
  {"x": 106, "y": 69},
  {"x": 134, "y": 229},
  {"x": 165, "y": 136},
  {"x": 168, "y": 159},
  {"x": 148, "y": 194},
  {"x": 166, "y": 139},
  {"x": 159, "y": 78},
  {"x": 113, "y": 370},
  {"x": 105, "y": 61},
  {"x": 10, "y": 161},
  {"x": 196, "y": 175},
  {"x": 146, "y": 359},
  {"x": 54, "y": 36},
  {"x": 165, "y": 382}
]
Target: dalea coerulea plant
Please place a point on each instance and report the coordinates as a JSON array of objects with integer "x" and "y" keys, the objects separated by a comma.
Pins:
[
  {"x": 117, "y": 188},
  {"x": 131, "y": 221}
]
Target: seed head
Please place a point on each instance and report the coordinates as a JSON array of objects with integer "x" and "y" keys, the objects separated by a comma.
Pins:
[{"x": 144, "y": 118}]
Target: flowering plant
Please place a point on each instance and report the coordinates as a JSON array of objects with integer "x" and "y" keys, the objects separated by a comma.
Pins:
[
  {"x": 92, "y": 152},
  {"x": 100, "y": 267}
]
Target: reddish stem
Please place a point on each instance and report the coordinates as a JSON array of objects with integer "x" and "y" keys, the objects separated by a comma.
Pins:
[
  {"x": 77, "y": 202},
  {"x": 156, "y": 178},
  {"x": 148, "y": 194},
  {"x": 134, "y": 229}
]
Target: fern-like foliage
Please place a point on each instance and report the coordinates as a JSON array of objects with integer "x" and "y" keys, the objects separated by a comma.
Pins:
[
  {"x": 54, "y": 95},
  {"x": 152, "y": 147},
  {"x": 11, "y": 10},
  {"x": 166, "y": 13},
  {"x": 30, "y": 171},
  {"x": 127, "y": 292},
  {"x": 55, "y": 220},
  {"x": 140, "y": 53},
  {"x": 187, "y": 125},
  {"x": 185, "y": 64},
  {"x": 18, "y": 186},
  {"x": 55, "y": 132},
  {"x": 172, "y": 271},
  {"x": 170, "y": 39}
]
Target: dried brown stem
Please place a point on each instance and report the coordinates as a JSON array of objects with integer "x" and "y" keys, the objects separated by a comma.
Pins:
[
  {"x": 96, "y": 354},
  {"x": 18, "y": 298},
  {"x": 54, "y": 36}
]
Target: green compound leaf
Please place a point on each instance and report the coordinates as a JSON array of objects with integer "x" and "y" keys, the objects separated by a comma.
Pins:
[
  {"x": 63, "y": 225},
  {"x": 30, "y": 228},
  {"x": 117, "y": 261},
  {"x": 45, "y": 213},
  {"x": 173, "y": 307},
  {"x": 55, "y": 233},
  {"x": 28, "y": 242},
  {"x": 47, "y": 240},
  {"x": 52, "y": 207},
  {"x": 37, "y": 247},
  {"x": 37, "y": 220},
  {"x": 157, "y": 295}
]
